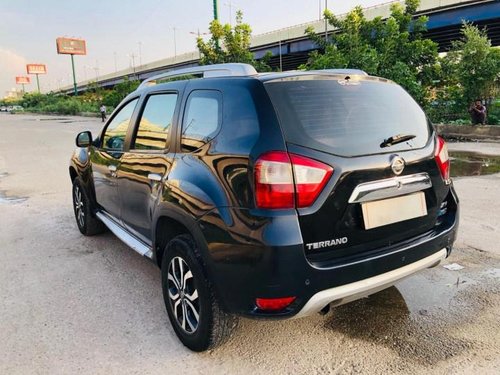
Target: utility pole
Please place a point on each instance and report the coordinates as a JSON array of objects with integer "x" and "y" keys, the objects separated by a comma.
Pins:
[
  {"x": 230, "y": 5},
  {"x": 216, "y": 14},
  {"x": 281, "y": 57},
  {"x": 216, "y": 17},
  {"x": 326, "y": 22}
]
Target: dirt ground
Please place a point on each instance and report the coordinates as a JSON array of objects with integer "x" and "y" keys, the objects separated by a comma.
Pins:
[{"x": 71, "y": 304}]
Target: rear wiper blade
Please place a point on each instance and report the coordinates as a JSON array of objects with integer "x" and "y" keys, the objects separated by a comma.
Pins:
[{"x": 395, "y": 139}]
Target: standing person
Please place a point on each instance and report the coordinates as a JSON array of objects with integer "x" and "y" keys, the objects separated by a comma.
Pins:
[
  {"x": 478, "y": 113},
  {"x": 103, "y": 112}
]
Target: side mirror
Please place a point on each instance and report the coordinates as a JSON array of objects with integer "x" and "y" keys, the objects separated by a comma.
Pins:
[{"x": 84, "y": 139}]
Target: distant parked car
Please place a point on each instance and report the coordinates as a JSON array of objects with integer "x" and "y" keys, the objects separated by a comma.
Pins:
[
  {"x": 3, "y": 109},
  {"x": 268, "y": 195},
  {"x": 17, "y": 108}
]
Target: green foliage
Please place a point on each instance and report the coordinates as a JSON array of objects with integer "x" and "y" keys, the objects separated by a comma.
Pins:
[
  {"x": 51, "y": 103},
  {"x": 380, "y": 47},
  {"x": 113, "y": 97},
  {"x": 472, "y": 67},
  {"x": 229, "y": 44},
  {"x": 89, "y": 101}
]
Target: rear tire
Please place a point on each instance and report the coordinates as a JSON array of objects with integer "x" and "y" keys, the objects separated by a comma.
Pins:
[
  {"x": 192, "y": 307},
  {"x": 87, "y": 222}
]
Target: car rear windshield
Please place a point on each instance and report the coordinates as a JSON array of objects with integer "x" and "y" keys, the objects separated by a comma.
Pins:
[{"x": 347, "y": 116}]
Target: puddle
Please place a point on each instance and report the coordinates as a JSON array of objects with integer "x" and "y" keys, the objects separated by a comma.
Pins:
[
  {"x": 4, "y": 199},
  {"x": 413, "y": 319},
  {"x": 465, "y": 163},
  {"x": 9, "y": 199}
]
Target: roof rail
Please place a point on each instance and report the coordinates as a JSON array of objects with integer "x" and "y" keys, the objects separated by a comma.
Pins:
[
  {"x": 344, "y": 71},
  {"x": 216, "y": 70}
]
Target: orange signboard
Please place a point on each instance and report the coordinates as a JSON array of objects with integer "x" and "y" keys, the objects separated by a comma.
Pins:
[
  {"x": 22, "y": 80},
  {"x": 36, "y": 69},
  {"x": 71, "y": 46}
]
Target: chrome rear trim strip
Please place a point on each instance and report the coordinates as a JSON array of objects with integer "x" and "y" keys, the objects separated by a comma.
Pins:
[
  {"x": 362, "y": 288},
  {"x": 391, "y": 187},
  {"x": 125, "y": 236}
]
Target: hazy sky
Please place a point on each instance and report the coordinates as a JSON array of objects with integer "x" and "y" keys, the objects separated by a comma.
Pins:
[{"x": 29, "y": 28}]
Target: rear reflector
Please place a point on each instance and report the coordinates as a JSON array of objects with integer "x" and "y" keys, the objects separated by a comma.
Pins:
[
  {"x": 274, "y": 304},
  {"x": 285, "y": 180},
  {"x": 442, "y": 159}
]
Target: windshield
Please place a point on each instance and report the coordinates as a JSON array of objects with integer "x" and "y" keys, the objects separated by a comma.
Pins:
[{"x": 347, "y": 117}]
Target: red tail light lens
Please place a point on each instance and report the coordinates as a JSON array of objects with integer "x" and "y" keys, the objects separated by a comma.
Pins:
[
  {"x": 274, "y": 181},
  {"x": 274, "y": 304},
  {"x": 283, "y": 180},
  {"x": 311, "y": 177},
  {"x": 442, "y": 158}
]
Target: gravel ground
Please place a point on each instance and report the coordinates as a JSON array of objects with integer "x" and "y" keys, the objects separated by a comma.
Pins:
[{"x": 70, "y": 304}]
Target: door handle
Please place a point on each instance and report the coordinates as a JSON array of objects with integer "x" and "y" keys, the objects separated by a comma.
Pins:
[{"x": 154, "y": 177}]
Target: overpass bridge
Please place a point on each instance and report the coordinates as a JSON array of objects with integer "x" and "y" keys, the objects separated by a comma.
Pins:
[{"x": 290, "y": 47}]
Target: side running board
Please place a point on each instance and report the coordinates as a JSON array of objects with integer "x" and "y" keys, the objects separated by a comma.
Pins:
[{"x": 125, "y": 236}]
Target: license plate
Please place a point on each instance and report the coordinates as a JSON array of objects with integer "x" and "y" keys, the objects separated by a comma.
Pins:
[{"x": 393, "y": 210}]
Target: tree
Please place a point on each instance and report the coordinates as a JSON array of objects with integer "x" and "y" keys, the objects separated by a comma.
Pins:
[
  {"x": 113, "y": 97},
  {"x": 229, "y": 44},
  {"x": 393, "y": 48},
  {"x": 473, "y": 66}
]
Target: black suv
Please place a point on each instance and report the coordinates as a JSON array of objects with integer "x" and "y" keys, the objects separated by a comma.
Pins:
[{"x": 267, "y": 195}]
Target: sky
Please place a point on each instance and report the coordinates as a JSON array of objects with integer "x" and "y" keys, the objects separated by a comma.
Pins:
[{"x": 115, "y": 30}]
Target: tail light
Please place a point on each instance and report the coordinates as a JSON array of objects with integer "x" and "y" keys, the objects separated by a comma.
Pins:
[
  {"x": 442, "y": 159},
  {"x": 285, "y": 180},
  {"x": 274, "y": 304}
]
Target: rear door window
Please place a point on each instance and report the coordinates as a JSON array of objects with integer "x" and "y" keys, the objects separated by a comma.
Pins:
[
  {"x": 347, "y": 117},
  {"x": 156, "y": 122}
]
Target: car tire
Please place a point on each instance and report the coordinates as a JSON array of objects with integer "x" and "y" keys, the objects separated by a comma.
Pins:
[
  {"x": 192, "y": 307},
  {"x": 87, "y": 222}
]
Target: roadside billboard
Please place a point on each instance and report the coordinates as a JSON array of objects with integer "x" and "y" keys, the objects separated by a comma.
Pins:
[
  {"x": 71, "y": 46},
  {"x": 36, "y": 69},
  {"x": 22, "y": 80}
]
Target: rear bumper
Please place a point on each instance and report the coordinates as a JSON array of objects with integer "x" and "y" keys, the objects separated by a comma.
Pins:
[
  {"x": 270, "y": 262},
  {"x": 362, "y": 288}
]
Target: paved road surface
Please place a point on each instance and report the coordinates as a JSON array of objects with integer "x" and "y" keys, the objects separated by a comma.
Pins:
[{"x": 70, "y": 304}]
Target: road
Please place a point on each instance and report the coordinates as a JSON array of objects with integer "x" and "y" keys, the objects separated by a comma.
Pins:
[{"x": 76, "y": 305}]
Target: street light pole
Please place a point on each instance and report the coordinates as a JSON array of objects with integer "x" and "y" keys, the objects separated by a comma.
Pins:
[
  {"x": 140, "y": 53},
  {"x": 175, "y": 44}
]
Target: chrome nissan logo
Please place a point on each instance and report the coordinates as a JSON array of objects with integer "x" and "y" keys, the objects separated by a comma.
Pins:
[{"x": 397, "y": 165}]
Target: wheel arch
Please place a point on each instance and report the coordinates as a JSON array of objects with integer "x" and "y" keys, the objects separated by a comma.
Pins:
[
  {"x": 169, "y": 224},
  {"x": 72, "y": 173}
]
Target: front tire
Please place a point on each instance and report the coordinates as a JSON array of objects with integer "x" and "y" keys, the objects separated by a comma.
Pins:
[
  {"x": 194, "y": 312},
  {"x": 87, "y": 222}
]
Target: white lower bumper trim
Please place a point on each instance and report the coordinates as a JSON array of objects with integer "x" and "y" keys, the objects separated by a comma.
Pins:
[{"x": 362, "y": 288}]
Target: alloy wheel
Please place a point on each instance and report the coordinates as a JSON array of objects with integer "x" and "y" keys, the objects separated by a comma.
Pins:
[
  {"x": 183, "y": 295},
  {"x": 79, "y": 209}
]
